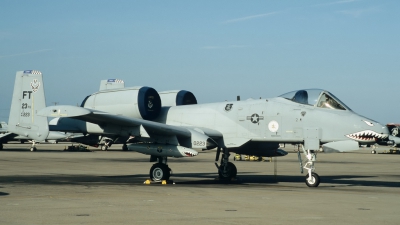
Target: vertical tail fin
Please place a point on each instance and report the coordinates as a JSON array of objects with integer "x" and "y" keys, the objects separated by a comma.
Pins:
[
  {"x": 28, "y": 98},
  {"x": 3, "y": 126},
  {"x": 111, "y": 84}
]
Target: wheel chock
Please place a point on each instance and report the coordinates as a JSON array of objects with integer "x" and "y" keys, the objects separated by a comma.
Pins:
[
  {"x": 147, "y": 182},
  {"x": 163, "y": 182}
]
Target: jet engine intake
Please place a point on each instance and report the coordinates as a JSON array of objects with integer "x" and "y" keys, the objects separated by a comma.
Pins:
[{"x": 178, "y": 97}]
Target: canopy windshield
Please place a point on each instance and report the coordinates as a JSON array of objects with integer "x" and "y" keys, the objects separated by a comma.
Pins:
[{"x": 316, "y": 97}]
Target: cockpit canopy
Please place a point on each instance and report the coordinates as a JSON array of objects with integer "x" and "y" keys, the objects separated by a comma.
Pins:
[{"x": 316, "y": 97}]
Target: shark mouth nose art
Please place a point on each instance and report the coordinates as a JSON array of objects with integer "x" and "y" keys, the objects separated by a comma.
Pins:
[
  {"x": 190, "y": 154},
  {"x": 366, "y": 135}
]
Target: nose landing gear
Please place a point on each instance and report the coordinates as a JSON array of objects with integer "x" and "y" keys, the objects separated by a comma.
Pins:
[{"x": 312, "y": 178}]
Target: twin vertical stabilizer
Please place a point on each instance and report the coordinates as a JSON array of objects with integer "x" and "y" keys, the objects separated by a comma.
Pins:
[{"x": 28, "y": 98}]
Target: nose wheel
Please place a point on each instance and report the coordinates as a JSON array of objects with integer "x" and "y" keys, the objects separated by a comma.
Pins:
[{"x": 312, "y": 181}]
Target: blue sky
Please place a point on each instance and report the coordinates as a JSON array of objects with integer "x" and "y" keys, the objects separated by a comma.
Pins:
[{"x": 216, "y": 49}]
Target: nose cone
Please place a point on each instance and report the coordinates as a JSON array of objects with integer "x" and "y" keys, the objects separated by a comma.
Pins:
[
  {"x": 369, "y": 132},
  {"x": 385, "y": 131}
]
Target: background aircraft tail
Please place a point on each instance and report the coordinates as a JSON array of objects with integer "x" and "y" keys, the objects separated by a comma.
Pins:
[
  {"x": 111, "y": 84},
  {"x": 3, "y": 127},
  {"x": 28, "y": 98}
]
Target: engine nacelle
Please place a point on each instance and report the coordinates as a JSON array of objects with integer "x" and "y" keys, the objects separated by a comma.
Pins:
[
  {"x": 137, "y": 102},
  {"x": 177, "y": 97}
]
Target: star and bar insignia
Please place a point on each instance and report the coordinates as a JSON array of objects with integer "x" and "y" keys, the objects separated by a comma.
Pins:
[{"x": 255, "y": 118}]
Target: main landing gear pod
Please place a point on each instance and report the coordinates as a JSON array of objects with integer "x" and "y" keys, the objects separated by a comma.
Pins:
[{"x": 160, "y": 153}]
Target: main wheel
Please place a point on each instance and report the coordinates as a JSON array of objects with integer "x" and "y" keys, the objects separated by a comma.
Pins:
[
  {"x": 1, "y": 146},
  {"x": 124, "y": 147},
  {"x": 373, "y": 152},
  {"x": 314, "y": 180},
  {"x": 159, "y": 172},
  {"x": 230, "y": 172},
  {"x": 104, "y": 147},
  {"x": 33, "y": 149}
]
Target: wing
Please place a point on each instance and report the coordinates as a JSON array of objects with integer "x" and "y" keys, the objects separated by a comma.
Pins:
[
  {"x": 188, "y": 137},
  {"x": 4, "y": 138}
]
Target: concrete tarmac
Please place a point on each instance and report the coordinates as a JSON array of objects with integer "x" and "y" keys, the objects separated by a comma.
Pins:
[{"x": 52, "y": 186}]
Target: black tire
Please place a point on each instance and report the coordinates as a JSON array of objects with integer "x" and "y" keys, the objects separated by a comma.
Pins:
[
  {"x": 104, "y": 147},
  {"x": 159, "y": 172},
  {"x": 33, "y": 149},
  {"x": 373, "y": 152},
  {"x": 124, "y": 147},
  {"x": 1, "y": 146},
  {"x": 230, "y": 173},
  {"x": 315, "y": 181}
]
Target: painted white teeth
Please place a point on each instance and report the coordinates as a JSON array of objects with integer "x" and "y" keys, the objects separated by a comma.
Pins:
[{"x": 366, "y": 135}]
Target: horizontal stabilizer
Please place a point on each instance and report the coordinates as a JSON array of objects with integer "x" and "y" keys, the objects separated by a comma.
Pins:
[
  {"x": 340, "y": 146},
  {"x": 63, "y": 111},
  {"x": 54, "y": 135}
]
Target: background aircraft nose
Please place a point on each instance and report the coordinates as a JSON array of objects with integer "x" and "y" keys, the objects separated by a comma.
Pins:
[{"x": 385, "y": 131}]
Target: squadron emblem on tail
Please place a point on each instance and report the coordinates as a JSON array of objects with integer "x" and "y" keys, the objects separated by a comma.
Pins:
[{"x": 35, "y": 84}]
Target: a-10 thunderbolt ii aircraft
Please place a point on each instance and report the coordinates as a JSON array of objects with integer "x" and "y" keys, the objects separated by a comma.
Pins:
[{"x": 313, "y": 118}]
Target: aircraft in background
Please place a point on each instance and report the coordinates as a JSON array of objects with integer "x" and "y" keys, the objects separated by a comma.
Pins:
[
  {"x": 393, "y": 139},
  {"x": 53, "y": 137},
  {"x": 22, "y": 126},
  {"x": 394, "y": 130},
  {"x": 313, "y": 118},
  {"x": 3, "y": 127}
]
